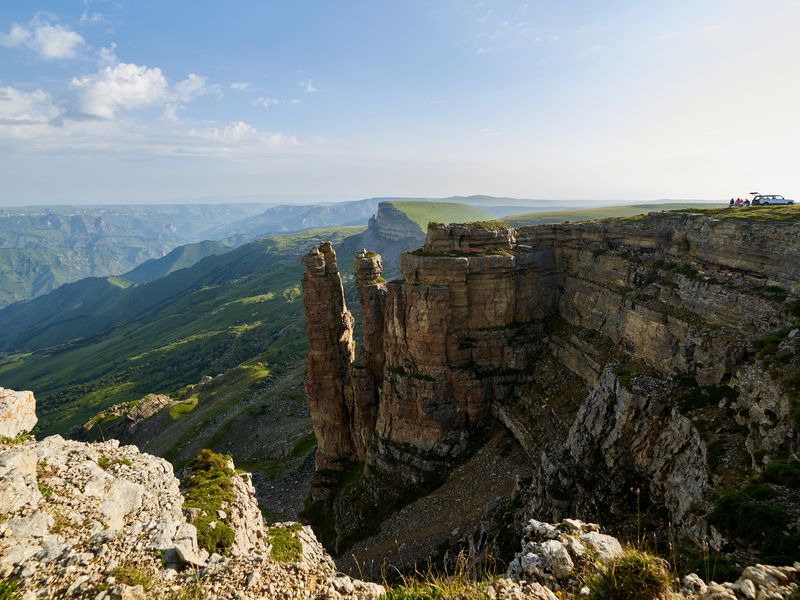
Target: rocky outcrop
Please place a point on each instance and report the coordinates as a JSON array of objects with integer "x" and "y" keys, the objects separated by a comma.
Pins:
[
  {"x": 17, "y": 412},
  {"x": 623, "y": 437},
  {"x": 106, "y": 521},
  {"x": 392, "y": 224},
  {"x": 330, "y": 354},
  {"x": 485, "y": 318}
]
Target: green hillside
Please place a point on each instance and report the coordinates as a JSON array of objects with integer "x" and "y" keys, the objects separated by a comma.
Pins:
[
  {"x": 181, "y": 257},
  {"x": 588, "y": 214},
  {"x": 42, "y": 248},
  {"x": 423, "y": 213},
  {"x": 104, "y": 344}
]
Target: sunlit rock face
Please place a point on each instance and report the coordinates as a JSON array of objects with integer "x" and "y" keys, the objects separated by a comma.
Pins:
[{"x": 630, "y": 345}]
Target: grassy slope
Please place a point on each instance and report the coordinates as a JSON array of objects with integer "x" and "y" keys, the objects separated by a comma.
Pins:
[
  {"x": 181, "y": 257},
  {"x": 201, "y": 320},
  {"x": 587, "y": 214},
  {"x": 423, "y": 213}
]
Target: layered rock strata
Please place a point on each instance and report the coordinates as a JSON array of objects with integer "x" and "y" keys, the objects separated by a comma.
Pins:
[
  {"x": 654, "y": 328},
  {"x": 330, "y": 354}
]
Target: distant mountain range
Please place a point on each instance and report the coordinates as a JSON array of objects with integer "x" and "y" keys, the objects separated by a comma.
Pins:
[{"x": 44, "y": 247}]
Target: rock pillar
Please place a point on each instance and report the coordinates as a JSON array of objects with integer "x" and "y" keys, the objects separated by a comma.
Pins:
[
  {"x": 367, "y": 374},
  {"x": 330, "y": 354}
]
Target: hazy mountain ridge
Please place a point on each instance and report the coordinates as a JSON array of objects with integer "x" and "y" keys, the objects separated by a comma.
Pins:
[{"x": 44, "y": 247}]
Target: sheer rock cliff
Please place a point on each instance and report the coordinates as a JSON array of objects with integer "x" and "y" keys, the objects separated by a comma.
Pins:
[{"x": 638, "y": 362}]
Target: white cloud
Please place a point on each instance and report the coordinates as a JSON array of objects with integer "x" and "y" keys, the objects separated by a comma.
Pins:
[
  {"x": 123, "y": 86},
  {"x": 266, "y": 102},
  {"x": 295, "y": 101},
  {"x": 242, "y": 134},
  {"x": 90, "y": 18},
  {"x": 240, "y": 86},
  {"x": 107, "y": 56},
  {"x": 127, "y": 86},
  {"x": 190, "y": 88},
  {"x": 20, "y": 107},
  {"x": 16, "y": 37},
  {"x": 308, "y": 86},
  {"x": 50, "y": 41}
]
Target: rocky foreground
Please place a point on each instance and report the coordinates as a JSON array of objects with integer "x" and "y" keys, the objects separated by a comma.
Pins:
[{"x": 108, "y": 522}]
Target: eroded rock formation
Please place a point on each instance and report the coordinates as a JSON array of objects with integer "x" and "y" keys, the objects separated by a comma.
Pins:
[
  {"x": 619, "y": 354},
  {"x": 331, "y": 352}
]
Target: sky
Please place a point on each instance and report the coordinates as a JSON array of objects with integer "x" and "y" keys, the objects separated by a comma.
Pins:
[{"x": 106, "y": 101}]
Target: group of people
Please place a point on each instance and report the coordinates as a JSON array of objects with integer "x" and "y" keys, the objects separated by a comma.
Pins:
[{"x": 739, "y": 202}]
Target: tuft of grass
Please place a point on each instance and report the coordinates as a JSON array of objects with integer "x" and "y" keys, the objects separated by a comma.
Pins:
[
  {"x": 635, "y": 575},
  {"x": 10, "y": 589},
  {"x": 130, "y": 574},
  {"x": 286, "y": 546},
  {"x": 208, "y": 487},
  {"x": 45, "y": 490},
  {"x": 16, "y": 440},
  {"x": 105, "y": 463}
]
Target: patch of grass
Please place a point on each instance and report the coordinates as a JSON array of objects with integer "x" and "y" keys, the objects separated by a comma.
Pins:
[
  {"x": 286, "y": 546},
  {"x": 593, "y": 214},
  {"x": 176, "y": 411},
  {"x": 10, "y": 589},
  {"x": 716, "y": 568},
  {"x": 688, "y": 271},
  {"x": 694, "y": 396},
  {"x": 45, "y": 490},
  {"x": 16, "y": 440},
  {"x": 786, "y": 473},
  {"x": 130, "y": 574},
  {"x": 414, "y": 591},
  {"x": 748, "y": 515},
  {"x": 635, "y": 575},
  {"x": 60, "y": 523},
  {"x": 769, "y": 344},
  {"x": 423, "y": 213},
  {"x": 208, "y": 487},
  {"x": 105, "y": 463}
]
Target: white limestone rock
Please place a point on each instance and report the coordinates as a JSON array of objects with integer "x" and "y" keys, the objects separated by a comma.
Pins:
[{"x": 17, "y": 412}]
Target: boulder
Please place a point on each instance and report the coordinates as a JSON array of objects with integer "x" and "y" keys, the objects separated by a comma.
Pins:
[{"x": 17, "y": 412}]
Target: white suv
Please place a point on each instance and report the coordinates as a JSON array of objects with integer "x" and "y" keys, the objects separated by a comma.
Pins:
[{"x": 767, "y": 199}]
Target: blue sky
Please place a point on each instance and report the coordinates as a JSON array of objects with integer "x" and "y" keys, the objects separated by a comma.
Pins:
[{"x": 122, "y": 100}]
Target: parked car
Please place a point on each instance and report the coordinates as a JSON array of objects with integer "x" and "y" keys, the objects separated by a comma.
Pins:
[{"x": 767, "y": 199}]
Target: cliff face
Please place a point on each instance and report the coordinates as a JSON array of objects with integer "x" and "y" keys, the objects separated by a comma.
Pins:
[
  {"x": 392, "y": 224},
  {"x": 624, "y": 354}
]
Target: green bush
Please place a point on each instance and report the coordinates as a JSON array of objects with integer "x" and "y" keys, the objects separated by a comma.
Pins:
[
  {"x": 635, "y": 575},
  {"x": 782, "y": 473},
  {"x": 208, "y": 487},
  {"x": 414, "y": 591},
  {"x": 9, "y": 589},
  {"x": 286, "y": 547}
]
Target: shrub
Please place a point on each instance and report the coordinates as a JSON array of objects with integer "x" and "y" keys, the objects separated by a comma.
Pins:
[
  {"x": 286, "y": 547},
  {"x": 783, "y": 473},
  {"x": 9, "y": 589},
  {"x": 208, "y": 487},
  {"x": 635, "y": 575}
]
